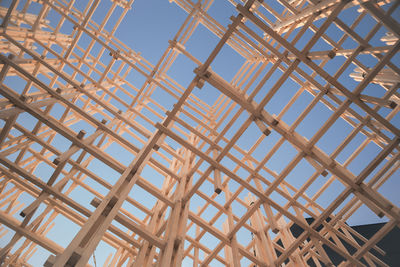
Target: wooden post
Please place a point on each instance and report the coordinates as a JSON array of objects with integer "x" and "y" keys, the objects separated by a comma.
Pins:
[{"x": 286, "y": 122}]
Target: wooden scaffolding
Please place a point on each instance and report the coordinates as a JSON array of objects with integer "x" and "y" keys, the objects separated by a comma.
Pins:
[{"x": 93, "y": 162}]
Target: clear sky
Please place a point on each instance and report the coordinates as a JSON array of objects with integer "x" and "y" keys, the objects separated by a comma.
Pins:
[{"x": 147, "y": 28}]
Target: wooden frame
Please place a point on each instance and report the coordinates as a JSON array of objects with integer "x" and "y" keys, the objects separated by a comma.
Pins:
[{"x": 218, "y": 199}]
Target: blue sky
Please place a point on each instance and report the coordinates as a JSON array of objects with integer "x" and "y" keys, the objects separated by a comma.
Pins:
[{"x": 147, "y": 28}]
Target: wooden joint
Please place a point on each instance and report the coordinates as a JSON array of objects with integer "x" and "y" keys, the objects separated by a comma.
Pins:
[
  {"x": 305, "y": 153},
  {"x": 172, "y": 43},
  {"x": 73, "y": 260},
  {"x": 11, "y": 56},
  {"x": 50, "y": 261},
  {"x": 217, "y": 181},
  {"x": 264, "y": 129},
  {"x": 56, "y": 161},
  {"x": 110, "y": 206},
  {"x": 324, "y": 173},
  {"x": 275, "y": 230},
  {"x": 331, "y": 54},
  {"x": 392, "y": 104},
  {"x": 362, "y": 47},
  {"x": 203, "y": 74},
  {"x": 81, "y": 134},
  {"x": 131, "y": 174},
  {"x": 274, "y": 122},
  {"x": 332, "y": 164},
  {"x": 218, "y": 190},
  {"x": 267, "y": 132},
  {"x": 200, "y": 83},
  {"x": 381, "y": 214},
  {"x": 26, "y": 99},
  {"x": 317, "y": 13},
  {"x": 226, "y": 206},
  {"x": 95, "y": 202},
  {"x": 177, "y": 46},
  {"x": 114, "y": 54},
  {"x": 177, "y": 242},
  {"x": 179, "y": 202},
  {"x": 327, "y": 90}
]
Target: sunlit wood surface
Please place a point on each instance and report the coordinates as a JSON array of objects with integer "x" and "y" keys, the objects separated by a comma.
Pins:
[{"x": 306, "y": 128}]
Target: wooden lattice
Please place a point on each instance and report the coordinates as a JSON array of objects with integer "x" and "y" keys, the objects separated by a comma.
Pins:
[{"x": 106, "y": 159}]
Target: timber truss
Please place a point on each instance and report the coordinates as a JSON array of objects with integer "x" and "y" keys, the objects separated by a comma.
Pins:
[{"x": 304, "y": 135}]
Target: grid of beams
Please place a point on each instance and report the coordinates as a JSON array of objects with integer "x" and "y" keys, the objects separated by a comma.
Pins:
[{"x": 216, "y": 173}]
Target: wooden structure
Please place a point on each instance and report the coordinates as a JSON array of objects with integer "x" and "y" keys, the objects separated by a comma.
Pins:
[{"x": 307, "y": 127}]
